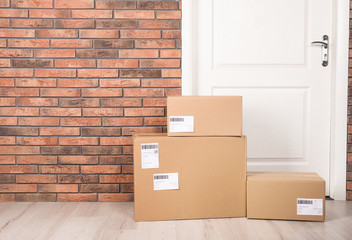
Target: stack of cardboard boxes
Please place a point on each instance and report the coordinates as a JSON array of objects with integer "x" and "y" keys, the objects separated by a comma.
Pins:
[{"x": 198, "y": 170}]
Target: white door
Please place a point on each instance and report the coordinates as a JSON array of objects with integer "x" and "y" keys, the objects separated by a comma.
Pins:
[{"x": 261, "y": 50}]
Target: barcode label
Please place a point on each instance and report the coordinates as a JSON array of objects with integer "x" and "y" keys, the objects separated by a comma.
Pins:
[
  {"x": 307, "y": 206},
  {"x": 181, "y": 124},
  {"x": 150, "y": 155},
  {"x": 165, "y": 181}
]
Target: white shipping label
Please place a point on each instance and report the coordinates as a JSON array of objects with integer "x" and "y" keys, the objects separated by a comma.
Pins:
[
  {"x": 165, "y": 181},
  {"x": 307, "y": 206},
  {"x": 181, "y": 123},
  {"x": 150, "y": 155}
]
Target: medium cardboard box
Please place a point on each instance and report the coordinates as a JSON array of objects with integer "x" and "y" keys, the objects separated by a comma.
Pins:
[
  {"x": 286, "y": 196},
  {"x": 204, "y": 116},
  {"x": 189, "y": 177}
]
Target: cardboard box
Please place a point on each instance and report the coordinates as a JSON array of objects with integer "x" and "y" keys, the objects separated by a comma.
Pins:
[
  {"x": 211, "y": 177},
  {"x": 204, "y": 116},
  {"x": 286, "y": 196}
]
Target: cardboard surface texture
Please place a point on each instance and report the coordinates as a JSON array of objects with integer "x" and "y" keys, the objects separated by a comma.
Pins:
[
  {"x": 206, "y": 178},
  {"x": 286, "y": 196},
  {"x": 204, "y": 116}
]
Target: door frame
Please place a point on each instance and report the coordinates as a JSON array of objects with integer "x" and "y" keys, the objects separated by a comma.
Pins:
[{"x": 339, "y": 84}]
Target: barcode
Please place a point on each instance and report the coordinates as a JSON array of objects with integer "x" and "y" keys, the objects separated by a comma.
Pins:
[
  {"x": 150, "y": 146},
  {"x": 175, "y": 119},
  {"x": 161, "y": 177},
  {"x": 305, "y": 202}
]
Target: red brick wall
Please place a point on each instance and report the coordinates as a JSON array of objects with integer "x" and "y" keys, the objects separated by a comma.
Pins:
[{"x": 77, "y": 78}]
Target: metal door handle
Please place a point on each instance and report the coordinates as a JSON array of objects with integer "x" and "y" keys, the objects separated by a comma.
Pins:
[{"x": 324, "y": 50}]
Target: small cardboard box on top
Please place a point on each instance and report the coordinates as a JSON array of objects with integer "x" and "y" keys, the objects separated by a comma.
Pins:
[
  {"x": 285, "y": 196},
  {"x": 189, "y": 177},
  {"x": 204, "y": 116}
]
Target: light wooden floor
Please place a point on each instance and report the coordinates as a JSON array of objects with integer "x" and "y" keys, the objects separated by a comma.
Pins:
[{"x": 66, "y": 221}]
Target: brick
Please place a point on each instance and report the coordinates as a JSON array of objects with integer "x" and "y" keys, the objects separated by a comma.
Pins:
[
  {"x": 105, "y": 92},
  {"x": 159, "y": 24},
  {"x": 59, "y": 131},
  {"x": 7, "y": 197},
  {"x": 99, "y": 188},
  {"x": 39, "y": 102},
  {"x": 178, "y": 43},
  {"x": 349, "y": 186},
  {"x": 77, "y": 197},
  {"x": 129, "y": 112},
  {"x": 4, "y": 23},
  {"x": 154, "y": 102},
  {"x": 140, "y": 92},
  {"x": 4, "y": 3},
  {"x": 60, "y": 112},
  {"x": 18, "y": 168},
  {"x": 36, "y": 179},
  {"x": 58, "y": 188},
  {"x": 96, "y": 53},
  {"x": 7, "y": 140},
  {"x": 13, "y": 13},
  {"x": 170, "y": 54},
  {"x": 31, "y": 23},
  {"x": 127, "y": 150},
  {"x": 19, "y": 111},
  {"x": 78, "y": 159},
  {"x": 122, "y": 122},
  {"x": 119, "y": 197},
  {"x": 78, "y": 179},
  {"x": 33, "y": 63},
  {"x": 116, "y": 178},
  {"x": 171, "y": 73},
  {"x": 173, "y": 92},
  {"x": 128, "y": 131},
  {"x": 146, "y": 73},
  {"x": 7, "y": 160},
  {"x": 155, "y": 44},
  {"x": 3, "y": 42},
  {"x": 168, "y": 14},
  {"x": 63, "y": 92},
  {"x": 127, "y": 188},
  {"x": 140, "y": 34},
  {"x": 116, "y": 141},
  {"x": 36, "y": 197},
  {"x": 61, "y": 150},
  {"x": 102, "y": 112},
  {"x": 100, "y": 169},
  {"x": 8, "y": 121},
  {"x": 127, "y": 169},
  {"x": 37, "y": 141},
  {"x": 92, "y": 131},
  {"x": 28, "y": 43},
  {"x": 134, "y": 14},
  {"x": 4, "y": 63},
  {"x": 75, "y": 63},
  {"x": 161, "y": 83},
  {"x": 7, "y": 178},
  {"x": 57, "y": 33},
  {"x": 164, "y": 63},
  {"x": 71, "y": 43},
  {"x": 74, "y": 3},
  {"x": 121, "y": 102},
  {"x": 7, "y": 82},
  {"x": 80, "y": 102},
  {"x": 54, "y": 53},
  {"x": 32, "y": 3},
  {"x": 113, "y": 43},
  {"x": 40, "y": 13},
  {"x": 17, "y": 73},
  {"x": 14, "y": 188},
  {"x": 42, "y": 160},
  {"x": 23, "y": 121},
  {"x": 91, "y": 14},
  {"x": 118, "y": 63},
  {"x": 79, "y": 141},
  {"x": 120, "y": 83},
  {"x": 138, "y": 54},
  {"x": 104, "y": 150},
  {"x": 55, "y": 73},
  {"x": 74, "y": 24},
  {"x": 157, "y": 5},
  {"x": 112, "y": 4},
  {"x": 58, "y": 169},
  {"x": 20, "y": 53},
  {"x": 172, "y": 34},
  {"x": 117, "y": 24},
  {"x": 113, "y": 160},
  {"x": 8, "y": 102},
  {"x": 18, "y": 131}
]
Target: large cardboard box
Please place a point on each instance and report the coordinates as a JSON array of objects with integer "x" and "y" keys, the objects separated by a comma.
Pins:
[
  {"x": 287, "y": 196},
  {"x": 189, "y": 177},
  {"x": 204, "y": 116}
]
